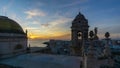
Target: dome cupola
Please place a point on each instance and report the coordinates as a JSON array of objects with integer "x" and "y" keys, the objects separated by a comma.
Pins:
[{"x": 9, "y": 26}]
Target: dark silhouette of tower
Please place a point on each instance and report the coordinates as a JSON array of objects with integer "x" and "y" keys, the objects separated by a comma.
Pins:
[{"x": 79, "y": 33}]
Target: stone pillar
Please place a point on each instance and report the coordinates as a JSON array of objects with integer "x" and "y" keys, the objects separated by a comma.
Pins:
[
  {"x": 74, "y": 38},
  {"x": 91, "y": 59}
]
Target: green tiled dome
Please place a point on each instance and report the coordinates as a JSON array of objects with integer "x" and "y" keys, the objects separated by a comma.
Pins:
[{"x": 9, "y": 26}]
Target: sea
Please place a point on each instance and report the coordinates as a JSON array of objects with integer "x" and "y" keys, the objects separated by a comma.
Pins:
[{"x": 37, "y": 43}]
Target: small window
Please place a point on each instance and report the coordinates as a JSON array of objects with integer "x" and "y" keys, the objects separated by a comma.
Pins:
[{"x": 18, "y": 46}]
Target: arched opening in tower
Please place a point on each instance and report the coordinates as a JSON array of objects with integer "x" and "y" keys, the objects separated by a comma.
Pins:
[{"x": 79, "y": 35}]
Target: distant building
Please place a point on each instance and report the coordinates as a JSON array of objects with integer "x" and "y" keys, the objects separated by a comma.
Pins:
[
  {"x": 13, "y": 40},
  {"x": 60, "y": 47}
]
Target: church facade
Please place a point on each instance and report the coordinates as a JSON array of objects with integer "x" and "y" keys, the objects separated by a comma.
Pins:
[{"x": 13, "y": 40}]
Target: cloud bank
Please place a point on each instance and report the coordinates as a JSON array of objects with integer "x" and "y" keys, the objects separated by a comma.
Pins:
[{"x": 34, "y": 13}]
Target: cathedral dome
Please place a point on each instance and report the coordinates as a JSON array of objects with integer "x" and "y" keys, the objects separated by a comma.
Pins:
[{"x": 9, "y": 26}]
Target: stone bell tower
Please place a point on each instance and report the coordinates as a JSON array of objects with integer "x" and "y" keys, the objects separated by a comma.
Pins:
[{"x": 79, "y": 32}]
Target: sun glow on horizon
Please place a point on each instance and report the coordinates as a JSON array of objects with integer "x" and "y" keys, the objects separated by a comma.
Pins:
[
  {"x": 52, "y": 35},
  {"x": 62, "y": 36}
]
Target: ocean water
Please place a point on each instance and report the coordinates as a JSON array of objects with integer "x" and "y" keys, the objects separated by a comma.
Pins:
[{"x": 37, "y": 43}]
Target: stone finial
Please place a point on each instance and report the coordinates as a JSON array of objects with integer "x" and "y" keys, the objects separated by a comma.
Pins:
[
  {"x": 91, "y": 34},
  {"x": 95, "y": 30},
  {"x": 107, "y": 35},
  {"x": 26, "y": 32},
  {"x": 79, "y": 13}
]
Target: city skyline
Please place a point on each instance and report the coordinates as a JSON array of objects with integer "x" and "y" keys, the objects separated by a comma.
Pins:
[{"x": 52, "y": 19}]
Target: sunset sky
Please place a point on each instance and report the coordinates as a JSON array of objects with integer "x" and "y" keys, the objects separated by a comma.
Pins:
[{"x": 51, "y": 19}]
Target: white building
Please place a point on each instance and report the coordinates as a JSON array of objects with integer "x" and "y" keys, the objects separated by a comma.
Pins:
[
  {"x": 13, "y": 40},
  {"x": 60, "y": 47}
]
